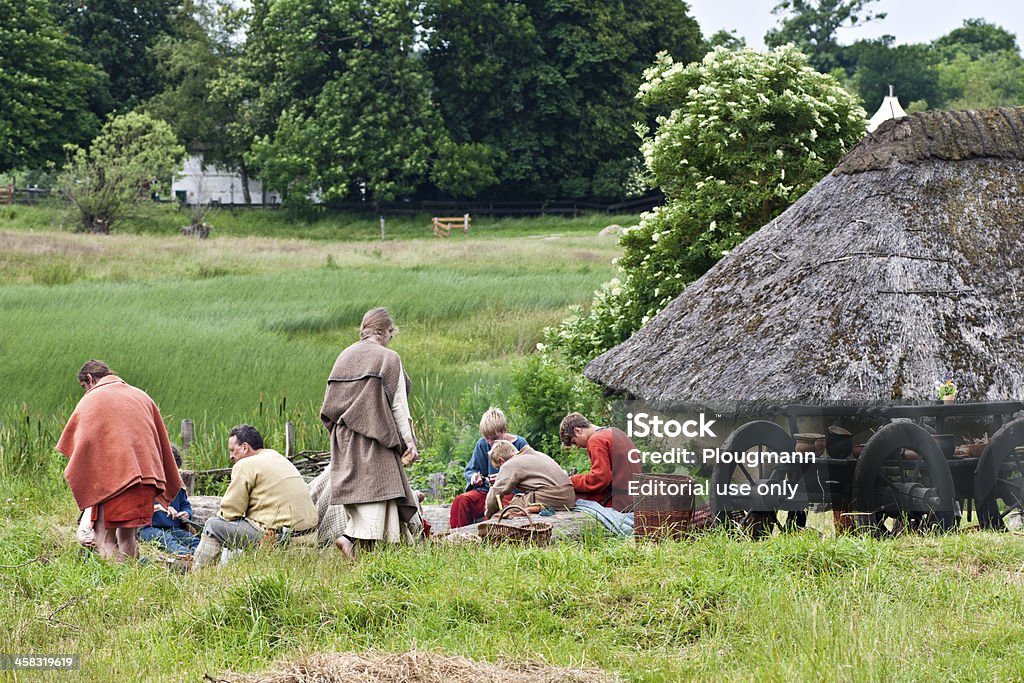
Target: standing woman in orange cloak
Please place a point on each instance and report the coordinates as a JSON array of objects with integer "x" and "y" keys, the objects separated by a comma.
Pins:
[{"x": 119, "y": 459}]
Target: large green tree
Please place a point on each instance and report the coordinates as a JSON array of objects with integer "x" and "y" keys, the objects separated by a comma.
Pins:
[
  {"x": 118, "y": 37},
  {"x": 977, "y": 65},
  {"x": 811, "y": 25},
  {"x": 189, "y": 61},
  {"x": 547, "y": 85},
  {"x": 975, "y": 38},
  {"x": 993, "y": 79},
  {"x": 748, "y": 134},
  {"x": 336, "y": 100},
  {"x": 982, "y": 67},
  {"x": 44, "y": 89},
  {"x": 912, "y": 70}
]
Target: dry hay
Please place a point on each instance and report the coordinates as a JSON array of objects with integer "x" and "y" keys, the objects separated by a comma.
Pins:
[{"x": 415, "y": 667}]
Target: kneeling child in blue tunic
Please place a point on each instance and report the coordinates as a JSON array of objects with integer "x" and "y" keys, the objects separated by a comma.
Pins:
[{"x": 166, "y": 528}]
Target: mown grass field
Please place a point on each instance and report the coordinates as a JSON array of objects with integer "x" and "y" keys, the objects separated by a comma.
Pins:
[
  {"x": 309, "y": 224},
  {"x": 207, "y": 327}
]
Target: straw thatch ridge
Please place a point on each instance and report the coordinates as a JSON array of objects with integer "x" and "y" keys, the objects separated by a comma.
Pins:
[
  {"x": 880, "y": 281},
  {"x": 946, "y": 135}
]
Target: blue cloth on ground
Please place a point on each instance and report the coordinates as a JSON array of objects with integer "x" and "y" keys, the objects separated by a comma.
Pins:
[
  {"x": 619, "y": 523},
  {"x": 174, "y": 541}
]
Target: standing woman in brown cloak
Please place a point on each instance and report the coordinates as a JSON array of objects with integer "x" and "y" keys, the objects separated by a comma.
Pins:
[{"x": 366, "y": 411}]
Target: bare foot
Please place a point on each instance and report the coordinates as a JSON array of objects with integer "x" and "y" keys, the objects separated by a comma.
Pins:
[{"x": 347, "y": 548}]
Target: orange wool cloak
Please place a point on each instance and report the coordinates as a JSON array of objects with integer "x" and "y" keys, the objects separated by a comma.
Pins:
[{"x": 114, "y": 440}]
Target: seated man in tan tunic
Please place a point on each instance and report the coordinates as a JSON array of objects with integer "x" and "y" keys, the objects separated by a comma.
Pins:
[
  {"x": 267, "y": 497},
  {"x": 540, "y": 479}
]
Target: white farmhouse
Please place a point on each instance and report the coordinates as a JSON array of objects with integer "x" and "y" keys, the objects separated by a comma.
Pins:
[{"x": 216, "y": 185}]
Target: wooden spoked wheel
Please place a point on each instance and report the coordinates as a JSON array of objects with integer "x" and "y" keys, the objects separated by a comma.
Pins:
[
  {"x": 999, "y": 479},
  {"x": 761, "y": 511},
  {"x": 896, "y": 491}
]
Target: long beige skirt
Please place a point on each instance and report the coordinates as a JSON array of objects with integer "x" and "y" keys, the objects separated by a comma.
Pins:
[{"x": 378, "y": 522}]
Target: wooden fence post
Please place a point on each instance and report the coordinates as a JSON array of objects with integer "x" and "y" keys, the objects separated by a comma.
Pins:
[
  {"x": 188, "y": 479},
  {"x": 437, "y": 482},
  {"x": 187, "y": 434},
  {"x": 289, "y": 439}
]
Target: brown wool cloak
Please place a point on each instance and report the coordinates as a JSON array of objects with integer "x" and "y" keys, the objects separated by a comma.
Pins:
[
  {"x": 366, "y": 447},
  {"x": 116, "y": 439}
]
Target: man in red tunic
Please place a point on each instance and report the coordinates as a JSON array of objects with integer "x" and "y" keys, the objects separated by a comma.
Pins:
[
  {"x": 119, "y": 459},
  {"x": 607, "y": 482}
]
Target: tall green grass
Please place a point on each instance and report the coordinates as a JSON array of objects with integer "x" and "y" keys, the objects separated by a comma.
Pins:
[
  {"x": 257, "y": 346},
  {"x": 213, "y": 347}
]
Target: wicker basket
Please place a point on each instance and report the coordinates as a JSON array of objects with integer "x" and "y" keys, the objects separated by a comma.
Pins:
[
  {"x": 532, "y": 533},
  {"x": 657, "y": 517}
]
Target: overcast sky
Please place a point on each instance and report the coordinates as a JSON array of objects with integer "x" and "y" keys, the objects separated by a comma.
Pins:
[{"x": 911, "y": 21}]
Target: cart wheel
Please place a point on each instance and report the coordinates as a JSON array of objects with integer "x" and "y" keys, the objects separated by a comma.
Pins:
[
  {"x": 999, "y": 479},
  {"x": 767, "y": 437},
  {"x": 917, "y": 494}
]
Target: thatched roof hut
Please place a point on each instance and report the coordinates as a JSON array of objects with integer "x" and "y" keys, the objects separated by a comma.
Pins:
[{"x": 902, "y": 267}]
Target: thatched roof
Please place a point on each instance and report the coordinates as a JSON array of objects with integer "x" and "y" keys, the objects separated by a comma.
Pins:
[{"x": 902, "y": 267}]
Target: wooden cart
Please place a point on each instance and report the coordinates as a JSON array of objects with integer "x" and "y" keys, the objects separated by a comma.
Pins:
[{"x": 900, "y": 480}]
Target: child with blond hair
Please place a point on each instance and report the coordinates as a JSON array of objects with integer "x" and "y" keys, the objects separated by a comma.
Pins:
[
  {"x": 538, "y": 478},
  {"x": 468, "y": 507}
]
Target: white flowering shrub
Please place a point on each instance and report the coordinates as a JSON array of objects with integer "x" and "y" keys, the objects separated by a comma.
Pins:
[{"x": 749, "y": 132}]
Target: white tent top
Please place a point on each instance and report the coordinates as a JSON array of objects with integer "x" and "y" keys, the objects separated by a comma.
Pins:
[{"x": 890, "y": 109}]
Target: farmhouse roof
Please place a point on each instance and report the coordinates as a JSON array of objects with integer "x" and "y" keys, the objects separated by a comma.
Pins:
[{"x": 902, "y": 267}]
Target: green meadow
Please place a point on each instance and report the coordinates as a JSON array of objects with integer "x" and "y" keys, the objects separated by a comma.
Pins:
[
  {"x": 245, "y": 327},
  {"x": 236, "y": 329},
  {"x": 309, "y": 223}
]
